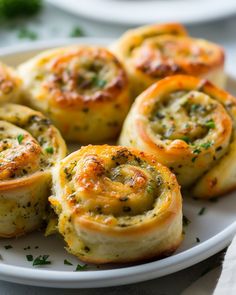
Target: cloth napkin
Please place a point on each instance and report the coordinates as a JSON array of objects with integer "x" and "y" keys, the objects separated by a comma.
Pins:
[
  {"x": 226, "y": 284},
  {"x": 227, "y": 281}
]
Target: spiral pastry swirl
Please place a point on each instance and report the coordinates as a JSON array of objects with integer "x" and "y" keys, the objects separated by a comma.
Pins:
[
  {"x": 117, "y": 204},
  {"x": 84, "y": 90},
  {"x": 154, "y": 52},
  {"x": 29, "y": 147},
  {"x": 189, "y": 125},
  {"x": 10, "y": 85}
]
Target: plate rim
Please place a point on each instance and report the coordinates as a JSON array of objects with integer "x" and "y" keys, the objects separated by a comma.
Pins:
[
  {"x": 205, "y": 15},
  {"x": 114, "y": 277}
]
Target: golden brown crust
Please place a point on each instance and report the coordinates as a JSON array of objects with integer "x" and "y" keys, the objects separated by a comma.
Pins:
[
  {"x": 83, "y": 89},
  {"x": 111, "y": 199},
  {"x": 29, "y": 147},
  {"x": 10, "y": 85},
  {"x": 189, "y": 125},
  {"x": 153, "y": 52}
]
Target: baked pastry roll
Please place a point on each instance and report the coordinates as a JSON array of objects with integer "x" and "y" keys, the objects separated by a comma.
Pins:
[
  {"x": 10, "y": 85},
  {"x": 117, "y": 204},
  {"x": 189, "y": 125},
  {"x": 84, "y": 90},
  {"x": 29, "y": 147},
  {"x": 153, "y": 52}
]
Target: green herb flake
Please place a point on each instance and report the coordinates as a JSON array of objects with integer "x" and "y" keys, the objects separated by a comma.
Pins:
[
  {"x": 66, "y": 262},
  {"x": 49, "y": 150},
  {"x": 150, "y": 189},
  {"x": 194, "y": 107},
  {"x": 197, "y": 151},
  {"x": 41, "y": 260},
  {"x": 76, "y": 32},
  {"x": 202, "y": 211},
  {"x": 198, "y": 240},
  {"x": 20, "y": 137},
  {"x": 206, "y": 145},
  {"x": 185, "y": 138},
  {"x": 8, "y": 247},
  {"x": 25, "y": 33},
  {"x": 80, "y": 267},
  {"x": 29, "y": 257},
  {"x": 210, "y": 124},
  {"x": 186, "y": 221},
  {"x": 194, "y": 159}
]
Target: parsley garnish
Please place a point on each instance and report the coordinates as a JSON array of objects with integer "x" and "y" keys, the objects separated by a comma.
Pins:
[
  {"x": 49, "y": 150},
  {"x": 185, "y": 138},
  {"x": 41, "y": 260},
  {"x": 25, "y": 33},
  {"x": 66, "y": 262},
  {"x": 186, "y": 221},
  {"x": 197, "y": 151},
  {"x": 76, "y": 32},
  {"x": 206, "y": 145},
  {"x": 8, "y": 247},
  {"x": 80, "y": 267},
  {"x": 210, "y": 124},
  {"x": 20, "y": 138},
  {"x": 202, "y": 210},
  {"x": 30, "y": 257}
]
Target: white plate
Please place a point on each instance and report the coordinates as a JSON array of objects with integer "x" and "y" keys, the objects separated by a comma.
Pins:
[
  {"x": 215, "y": 229},
  {"x": 139, "y": 12}
]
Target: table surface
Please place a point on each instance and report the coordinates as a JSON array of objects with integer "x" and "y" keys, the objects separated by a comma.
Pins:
[{"x": 54, "y": 23}]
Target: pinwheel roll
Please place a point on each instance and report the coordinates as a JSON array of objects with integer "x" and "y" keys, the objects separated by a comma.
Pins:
[
  {"x": 10, "y": 85},
  {"x": 29, "y": 147},
  {"x": 153, "y": 52},
  {"x": 189, "y": 125},
  {"x": 117, "y": 204},
  {"x": 84, "y": 90}
]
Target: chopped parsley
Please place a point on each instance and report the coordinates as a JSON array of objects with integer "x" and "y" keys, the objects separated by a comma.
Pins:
[
  {"x": 66, "y": 262},
  {"x": 49, "y": 150},
  {"x": 206, "y": 145},
  {"x": 186, "y": 221},
  {"x": 41, "y": 260},
  {"x": 80, "y": 267},
  {"x": 20, "y": 137},
  {"x": 8, "y": 247},
  {"x": 29, "y": 257},
  {"x": 185, "y": 138},
  {"x": 76, "y": 32},
  {"x": 194, "y": 159},
  {"x": 197, "y": 151},
  {"x": 202, "y": 211},
  {"x": 25, "y": 33},
  {"x": 210, "y": 124}
]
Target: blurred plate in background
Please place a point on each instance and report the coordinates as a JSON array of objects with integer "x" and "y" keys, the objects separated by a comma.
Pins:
[{"x": 139, "y": 12}]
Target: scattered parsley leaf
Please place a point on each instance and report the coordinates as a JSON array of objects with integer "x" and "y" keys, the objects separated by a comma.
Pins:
[
  {"x": 198, "y": 240},
  {"x": 14, "y": 8},
  {"x": 194, "y": 159},
  {"x": 49, "y": 150},
  {"x": 210, "y": 124},
  {"x": 8, "y": 247},
  {"x": 66, "y": 262},
  {"x": 20, "y": 137},
  {"x": 206, "y": 145},
  {"x": 186, "y": 221},
  {"x": 80, "y": 267},
  {"x": 41, "y": 260},
  {"x": 25, "y": 33},
  {"x": 202, "y": 211},
  {"x": 185, "y": 138},
  {"x": 29, "y": 257},
  {"x": 197, "y": 151},
  {"x": 76, "y": 32}
]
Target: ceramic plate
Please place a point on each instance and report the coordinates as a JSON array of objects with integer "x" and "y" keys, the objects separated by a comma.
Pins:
[
  {"x": 204, "y": 236},
  {"x": 139, "y": 12}
]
